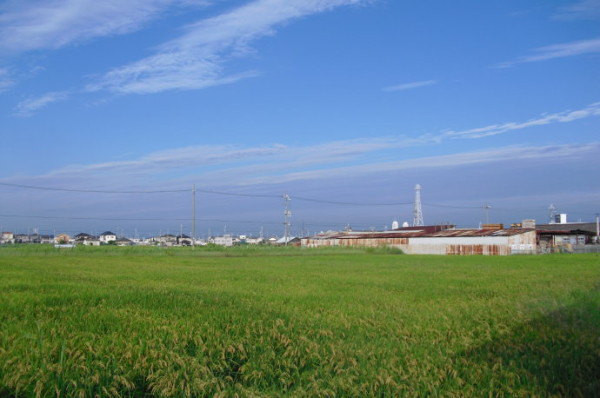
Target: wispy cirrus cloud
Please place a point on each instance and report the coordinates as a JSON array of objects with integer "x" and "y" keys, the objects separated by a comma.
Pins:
[
  {"x": 215, "y": 164},
  {"x": 584, "y": 9},
  {"x": 495, "y": 129},
  {"x": 507, "y": 153},
  {"x": 410, "y": 86},
  {"x": 49, "y": 24},
  {"x": 277, "y": 165},
  {"x": 227, "y": 160},
  {"x": 5, "y": 79},
  {"x": 561, "y": 50},
  {"x": 29, "y": 106},
  {"x": 196, "y": 59}
]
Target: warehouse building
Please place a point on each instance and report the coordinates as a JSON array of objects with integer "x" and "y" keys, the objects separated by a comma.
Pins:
[{"x": 441, "y": 241}]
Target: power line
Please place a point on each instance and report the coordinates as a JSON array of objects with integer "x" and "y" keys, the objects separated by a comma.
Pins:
[
  {"x": 452, "y": 206},
  {"x": 90, "y": 218},
  {"x": 333, "y": 202},
  {"x": 248, "y": 195},
  {"x": 6, "y": 184},
  {"x": 208, "y": 191},
  {"x": 245, "y": 195},
  {"x": 219, "y": 220}
]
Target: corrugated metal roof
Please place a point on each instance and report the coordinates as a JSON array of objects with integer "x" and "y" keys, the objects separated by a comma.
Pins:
[
  {"x": 427, "y": 228},
  {"x": 384, "y": 235},
  {"x": 566, "y": 232},
  {"x": 424, "y": 234},
  {"x": 479, "y": 232},
  {"x": 586, "y": 226}
]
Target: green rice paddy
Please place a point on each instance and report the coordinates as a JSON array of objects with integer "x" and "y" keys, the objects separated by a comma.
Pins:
[{"x": 132, "y": 322}]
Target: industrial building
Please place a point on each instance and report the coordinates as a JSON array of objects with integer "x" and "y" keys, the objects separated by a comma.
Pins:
[{"x": 443, "y": 240}]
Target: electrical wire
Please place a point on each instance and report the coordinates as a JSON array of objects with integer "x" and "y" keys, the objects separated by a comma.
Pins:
[
  {"x": 455, "y": 207},
  {"x": 332, "y": 202},
  {"x": 218, "y": 220},
  {"x": 6, "y": 184},
  {"x": 236, "y": 194}
]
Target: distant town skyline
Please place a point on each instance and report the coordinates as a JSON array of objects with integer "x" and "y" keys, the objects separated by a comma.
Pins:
[{"x": 339, "y": 100}]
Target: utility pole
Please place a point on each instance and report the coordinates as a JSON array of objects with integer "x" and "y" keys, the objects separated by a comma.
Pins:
[
  {"x": 487, "y": 208},
  {"x": 286, "y": 215},
  {"x": 418, "y": 209},
  {"x": 193, "y": 216},
  {"x": 597, "y": 227}
]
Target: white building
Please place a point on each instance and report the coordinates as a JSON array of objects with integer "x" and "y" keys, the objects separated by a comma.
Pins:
[
  {"x": 106, "y": 237},
  {"x": 225, "y": 240},
  {"x": 7, "y": 237}
]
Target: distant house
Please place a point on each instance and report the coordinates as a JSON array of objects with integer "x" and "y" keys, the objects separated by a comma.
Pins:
[
  {"x": 86, "y": 240},
  {"x": 166, "y": 240},
  {"x": 184, "y": 240},
  {"x": 62, "y": 239},
  {"x": 21, "y": 238},
  {"x": 107, "y": 237},
  {"x": 225, "y": 240},
  {"x": 291, "y": 241},
  {"x": 83, "y": 235},
  {"x": 254, "y": 241},
  {"x": 46, "y": 239},
  {"x": 124, "y": 242},
  {"x": 7, "y": 237}
]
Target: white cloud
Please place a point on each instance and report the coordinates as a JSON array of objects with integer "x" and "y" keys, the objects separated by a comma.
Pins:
[
  {"x": 584, "y": 9},
  {"x": 227, "y": 164},
  {"x": 495, "y": 129},
  {"x": 409, "y": 86},
  {"x": 508, "y": 153},
  {"x": 561, "y": 50},
  {"x": 41, "y": 24},
  {"x": 281, "y": 164},
  {"x": 196, "y": 59},
  {"x": 29, "y": 106},
  {"x": 5, "y": 79}
]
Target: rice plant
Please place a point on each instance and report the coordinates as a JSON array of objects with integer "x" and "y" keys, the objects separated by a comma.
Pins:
[{"x": 128, "y": 323}]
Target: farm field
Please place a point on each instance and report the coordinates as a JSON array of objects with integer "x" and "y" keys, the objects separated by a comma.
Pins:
[{"x": 135, "y": 322}]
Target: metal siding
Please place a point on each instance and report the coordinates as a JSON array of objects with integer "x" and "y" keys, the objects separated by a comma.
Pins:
[
  {"x": 455, "y": 242},
  {"x": 462, "y": 240}
]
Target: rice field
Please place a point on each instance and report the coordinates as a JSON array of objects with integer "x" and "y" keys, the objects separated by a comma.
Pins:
[{"x": 151, "y": 322}]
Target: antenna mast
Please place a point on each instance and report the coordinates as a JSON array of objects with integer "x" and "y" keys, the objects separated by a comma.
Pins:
[
  {"x": 418, "y": 210},
  {"x": 286, "y": 215},
  {"x": 552, "y": 213},
  {"x": 487, "y": 208},
  {"x": 193, "y": 216}
]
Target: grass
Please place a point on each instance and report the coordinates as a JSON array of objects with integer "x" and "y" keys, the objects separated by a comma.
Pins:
[
  {"x": 296, "y": 322},
  {"x": 198, "y": 251}
]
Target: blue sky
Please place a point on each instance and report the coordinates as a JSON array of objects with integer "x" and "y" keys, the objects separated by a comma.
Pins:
[{"x": 343, "y": 100}]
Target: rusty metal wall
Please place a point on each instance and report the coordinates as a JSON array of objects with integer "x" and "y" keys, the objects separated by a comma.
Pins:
[
  {"x": 463, "y": 245},
  {"x": 378, "y": 242}
]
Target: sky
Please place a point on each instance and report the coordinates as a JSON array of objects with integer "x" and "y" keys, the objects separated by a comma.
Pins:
[{"x": 349, "y": 102}]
